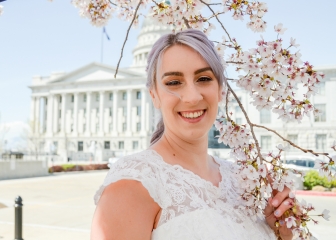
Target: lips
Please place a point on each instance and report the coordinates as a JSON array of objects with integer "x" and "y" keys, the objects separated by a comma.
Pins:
[{"x": 192, "y": 114}]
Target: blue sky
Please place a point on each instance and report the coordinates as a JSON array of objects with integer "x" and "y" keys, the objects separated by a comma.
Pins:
[{"x": 38, "y": 37}]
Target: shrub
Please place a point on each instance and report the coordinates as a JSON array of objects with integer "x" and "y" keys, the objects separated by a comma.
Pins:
[
  {"x": 55, "y": 169},
  {"x": 313, "y": 178}
]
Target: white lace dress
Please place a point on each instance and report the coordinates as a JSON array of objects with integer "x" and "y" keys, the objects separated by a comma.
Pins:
[{"x": 192, "y": 208}]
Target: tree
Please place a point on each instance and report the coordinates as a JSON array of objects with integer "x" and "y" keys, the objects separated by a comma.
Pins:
[{"x": 33, "y": 140}]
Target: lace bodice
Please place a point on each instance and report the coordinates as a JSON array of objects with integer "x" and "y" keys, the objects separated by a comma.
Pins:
[{"x": 192, "y": 207}]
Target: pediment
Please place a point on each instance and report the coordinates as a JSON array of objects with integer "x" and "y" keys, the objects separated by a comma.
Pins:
[{"x": 94, "y": 72}]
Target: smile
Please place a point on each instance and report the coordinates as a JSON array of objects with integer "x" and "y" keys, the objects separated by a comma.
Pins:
[{"x": 193, "y": 114}]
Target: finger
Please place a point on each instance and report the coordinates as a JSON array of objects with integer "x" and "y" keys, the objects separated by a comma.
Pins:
[
  {"x": 280, "y": 197},
  {"x": 269, "y": 208},
  {"x": 283, "y": 207}
]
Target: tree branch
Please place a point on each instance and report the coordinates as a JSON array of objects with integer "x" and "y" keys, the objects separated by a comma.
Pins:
[
  {"x": 186, "y": 22},
  {"x": 291, "y": 143},
  {"x": 213, "y": 12},
  {"x": 128, "y": 30},
  {"x": 112, "y": 3},
  {"x": 249, "y": 123}
]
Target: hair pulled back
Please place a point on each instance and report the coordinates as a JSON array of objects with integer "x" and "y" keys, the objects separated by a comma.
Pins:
[{"x": 193, "y": 38}]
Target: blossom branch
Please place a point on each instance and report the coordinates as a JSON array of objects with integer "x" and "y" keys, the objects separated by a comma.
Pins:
[
  {"x": 213, "y": 12},
  {"x": 290, "y": 142},
  {"x": 127, "y": 33},
  {"x": 248, "y": 121}
]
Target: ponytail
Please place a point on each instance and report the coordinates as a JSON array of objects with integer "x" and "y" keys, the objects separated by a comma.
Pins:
[{"x": 158, "y": 132}]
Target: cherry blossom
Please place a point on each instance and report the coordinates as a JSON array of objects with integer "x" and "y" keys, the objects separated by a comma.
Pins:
[
  {"x": 290, "y": 221},
  {"x": 325, "y": 214}
]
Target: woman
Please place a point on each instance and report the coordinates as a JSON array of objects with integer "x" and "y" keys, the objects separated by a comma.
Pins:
[{"x": 174, "y": 189}]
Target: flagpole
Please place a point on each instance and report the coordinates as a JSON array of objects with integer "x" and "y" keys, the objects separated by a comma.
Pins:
[{"x": 102, "y": 47}]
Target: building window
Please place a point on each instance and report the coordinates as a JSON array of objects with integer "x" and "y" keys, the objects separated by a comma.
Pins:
[
  {"x": 107, "y": 145},
  {"x": 121, "y": 144},
  {"x": 135, "y": 144},
  {"x": 321, "y": 140},
  {"x": 111, "y": 127},
  {"x": 265, "y": 116},
  {"x": 72, "y": 98},
  {"x": 124, "y": 96},
  {"x": 321, "y": 88},
  {"x": 237, "y": 109},
  {"x": 97, "y": 110},
  {"x": 266, "y": 142},
  {"x": 110, "y": 112},
  {"x": 84, "y": 112},
  {"x": 124, "y": 111},
  {"x": 84, "y": 127},
  {"x": 124, "y": 127},
  {"x": 84, "y": 98},
  {"x": 60, "y": 113},
  {"x": 97, "y": 127},
  {"x": 138, "y": 95},
  {"x": 294, "y": 139},
  {"x": 71, "y": 127},
  {"x": 238, "y": 120},
  {"x": 80, "y": 146},
  {"x": 111, "y": 96},
  {"x": 138, "y": 126},
  {"x": 97, "y": 97},
  {"x": 321, "y": 116},
  {"x": 138, "y": 109},
  {"x": 60, "y": 99}
]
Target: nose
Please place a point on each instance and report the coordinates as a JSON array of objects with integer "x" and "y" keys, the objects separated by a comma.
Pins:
[{"x": 191, "y": 94}]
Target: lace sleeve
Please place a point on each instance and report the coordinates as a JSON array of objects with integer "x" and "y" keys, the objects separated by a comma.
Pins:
[{"x": 134, "y": 168}]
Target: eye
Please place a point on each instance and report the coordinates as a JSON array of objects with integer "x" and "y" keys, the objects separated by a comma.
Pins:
[
  {"x": 173, "y": 83},
  {"x": 205, "y": 79}
]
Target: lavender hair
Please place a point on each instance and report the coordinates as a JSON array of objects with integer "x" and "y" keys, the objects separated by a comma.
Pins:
[{"x": 193, "y": 38}]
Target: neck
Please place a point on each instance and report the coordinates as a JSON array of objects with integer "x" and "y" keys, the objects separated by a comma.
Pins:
[{"x": 191, "y": 154}]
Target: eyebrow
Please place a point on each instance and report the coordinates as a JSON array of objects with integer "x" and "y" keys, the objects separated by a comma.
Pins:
[{"x": 180, "y": 74}]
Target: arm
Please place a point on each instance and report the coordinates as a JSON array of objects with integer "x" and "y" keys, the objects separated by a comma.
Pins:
[{"x": 124, "y": 211}]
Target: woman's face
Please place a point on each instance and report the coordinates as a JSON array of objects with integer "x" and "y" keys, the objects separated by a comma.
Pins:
[{"x": 186, "y": 92}]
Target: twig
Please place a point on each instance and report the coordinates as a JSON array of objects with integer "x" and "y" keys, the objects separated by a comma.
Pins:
[
  {"x": 248, "y": 121},
  {"x": 213, "y": 12},
  {"x": 291, "y": 143},
  {"x": 186, "y": 22},
  {"x": 234, "y": 62},
  {"x": 112, "y": 3},
  {"x": 128, "y": 30},
  {"x": 227, "y": 103},
  {"x": 231, "y": 79}
]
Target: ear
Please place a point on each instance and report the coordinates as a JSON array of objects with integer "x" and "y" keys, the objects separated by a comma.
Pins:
[{"x": 155, "y": 98}]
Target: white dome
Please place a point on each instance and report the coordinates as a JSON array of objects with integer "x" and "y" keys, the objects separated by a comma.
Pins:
[{"x": 149, "y": 33}]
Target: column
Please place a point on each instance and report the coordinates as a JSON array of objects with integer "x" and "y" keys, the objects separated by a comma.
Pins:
[
  {"x": 56, "y": 116},
  {"x": 50, "y": 113},
  {"x": 88, "y": 113},
  {"x": 37, "y": 115},
  {"x": 101, "y": 112},
  {"x": 143, "y": 110},
  {"x": 75, "y": 118},
  {"x": 129, "y": 110},
  {"x": 63, "y": 112},
  {"x": 115, "y": 111},
  {"x": 44, "y": 115},
  {"x": 32, "y": 114}
]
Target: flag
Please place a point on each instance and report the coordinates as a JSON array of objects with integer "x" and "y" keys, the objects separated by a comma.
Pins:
[{"x": 107, "y": 36}]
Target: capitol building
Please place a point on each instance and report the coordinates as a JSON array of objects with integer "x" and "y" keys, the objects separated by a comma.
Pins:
[{"x": 88, "y": 114}]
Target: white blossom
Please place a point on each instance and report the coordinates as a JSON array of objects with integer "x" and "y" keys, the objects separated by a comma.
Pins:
[
  {"x": 290, "y": 221},
  {"x": 325, "y": 214}
]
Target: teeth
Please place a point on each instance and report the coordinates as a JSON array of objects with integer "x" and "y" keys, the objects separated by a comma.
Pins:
[{"x": 193, "y": 115}]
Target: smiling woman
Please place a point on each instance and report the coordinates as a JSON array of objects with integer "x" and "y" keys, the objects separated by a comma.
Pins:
[{"x": 174, "y": 189}]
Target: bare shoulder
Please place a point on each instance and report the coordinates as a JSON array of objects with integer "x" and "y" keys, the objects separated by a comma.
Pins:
[{"x": 124, "y": 211}]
